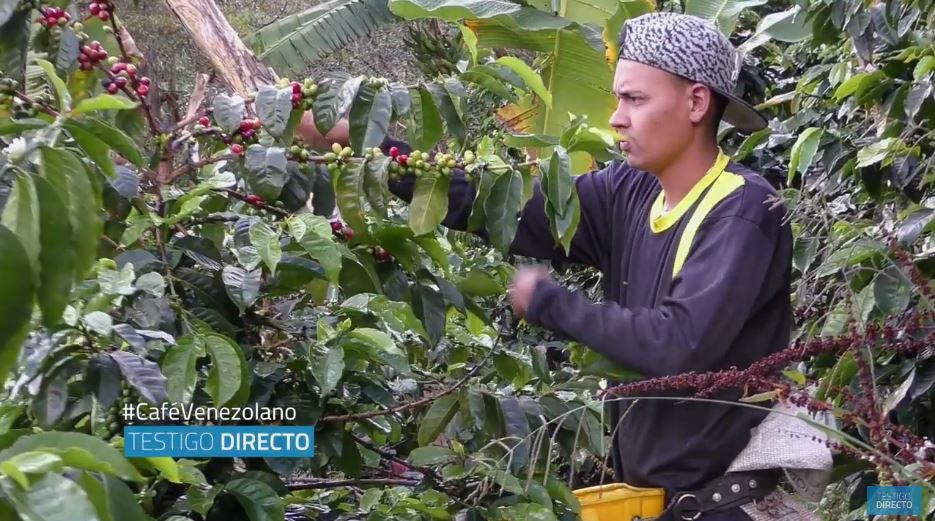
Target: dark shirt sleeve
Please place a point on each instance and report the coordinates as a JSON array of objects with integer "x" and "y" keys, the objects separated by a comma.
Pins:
[
  {"x": 533, "y": 236},
  {"x": 715, "y": 292}
]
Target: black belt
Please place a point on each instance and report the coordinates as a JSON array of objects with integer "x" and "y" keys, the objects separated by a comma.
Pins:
[{"x": 728, "y": 491}]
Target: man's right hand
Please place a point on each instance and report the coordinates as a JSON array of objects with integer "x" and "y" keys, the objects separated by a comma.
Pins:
[{"x": 309, "y": 133}]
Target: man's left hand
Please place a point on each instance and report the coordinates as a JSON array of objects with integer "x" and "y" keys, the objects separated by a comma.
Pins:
[{"x": 522, "y": 287}]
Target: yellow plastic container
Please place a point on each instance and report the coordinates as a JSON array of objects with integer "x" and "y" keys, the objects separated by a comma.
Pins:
[{"x": 620, "y": 502}]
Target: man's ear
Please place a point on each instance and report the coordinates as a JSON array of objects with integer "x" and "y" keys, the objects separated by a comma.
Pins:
[{"x": 700, "y": 100}]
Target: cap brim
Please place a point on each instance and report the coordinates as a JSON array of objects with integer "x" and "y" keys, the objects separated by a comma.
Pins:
[{"x": 742, "y": 115}]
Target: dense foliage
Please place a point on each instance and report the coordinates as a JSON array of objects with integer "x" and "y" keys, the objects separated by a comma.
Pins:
[{"x": 201, "y": 262}]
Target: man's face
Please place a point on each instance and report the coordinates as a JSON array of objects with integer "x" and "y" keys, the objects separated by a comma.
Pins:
[{"x": 654, "y": 114}]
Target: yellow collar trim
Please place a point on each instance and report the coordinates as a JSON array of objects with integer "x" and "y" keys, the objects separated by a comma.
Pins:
[{"x": 660, "y": 220}]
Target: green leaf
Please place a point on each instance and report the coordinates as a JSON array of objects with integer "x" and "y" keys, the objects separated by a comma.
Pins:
[
  {"x": 565, "y": 227},
  {"x": 225, "y": 375},
  {"x": 917, "y": 95},
  {"x": 445, "y": 102},
  {"x": 68, "y": 50},
  {"x": 487, "y": 77},
  {"x": 22, "y": 125},
  {"x": 502, "y": 209},
  {"x": 453, "y": 11},
  {"x": 379, "y": 344},
  {"x": 112, "y": 498},
  {"x": 370, "y": 499},
  {"x": 557, "y": 182},
  {"x": 178, "y": 365},
  {"x": 99, "y": 322},
  {"x": 65, "y": 172},
  {"x": 796, "y": 376},
  {"x": 896, "y": 395},
  {"x": 529, "y": 76},
  {"x": 839, "y": 376},
  {"x": 35, "y": 462},
  {"x": 398, "y": 316},
  {"x": 791, "y": 25},
  {"x": 104, "y": 102},
  {"x": 529, "y": 140},
  {"x": 915, "y": 224},
  {"x": 425, "y": 122},
  {"x": 429, "y": 204},
  {"x": 259, "y": 500},
  {"x": 332, "y": 104},
  {"x": 243, "y": 287},
  {"x": 14, "y": 312},
  {"x": 143, "y": 375},
  {"x": 850, "y": 254},
  {"x": 228, "y": 112},
  {"x": 21, "y": 215},
  {"x": 857, "y": 83},
  {"x": 876, "y": 152},
  {"x": 369, "y": 118},
  {"x": 116, "y": 139},
  {"x": 316, "y": 238},
  {"x": 891, "y": 290},
  {"x": 431, "y": 455},
  {"x": 202, "y": 499},
  {"x": 724, "y": 12},
  {"x": 266, "y": 171},
  {"x": 274, "y": 107},
  {"x": 266, "y": 241},
  {"x": 7, "y": 8},
  {"x": 349, "y": 186},
  {"x": 152, "y": 283},
  {"x": 923, "y": 67},
  {"x": 517, "y": 429},
  {"x": 803, "y": 151},
  {"x": 52, "y": 498},
  {"x": 14, "y": 44},
  {"x": 484, "y": 180},
  {"x": 96, "y": 149},
  {"x": 836, "y": 320},
  {"x": 97, "y": 494},
  {"x": 327, "y": 368},
  {"x": 591, "y": 362},
  {"x": 437, "y": 418},
  {"x": 527, "y": 512},
  {"x": 376, "y": 184},
  {"x": 61, "y": 91},
  {"x": 76, "y": 450},
  {"x": 291, "y": 42}
]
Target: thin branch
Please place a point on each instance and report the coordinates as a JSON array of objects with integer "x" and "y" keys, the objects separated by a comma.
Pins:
[
  {"x": 194, "y": 104},
  {"x": 123, "y": 52},
  {"x": 41, "y": 106},
  {"x": 413, "y": 404},
  {"x": 392, "y": 457},
  {"x": 351, "y": 483},
  {"x": 182, "y": 170},
  {"x": 268, "y": 207}
]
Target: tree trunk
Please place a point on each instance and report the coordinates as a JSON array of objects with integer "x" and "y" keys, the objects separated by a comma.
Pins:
[{"x": 234, "y": 63}]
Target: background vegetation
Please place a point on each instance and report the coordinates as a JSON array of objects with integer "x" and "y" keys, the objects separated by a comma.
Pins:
[{"x": 154, "y": 247}]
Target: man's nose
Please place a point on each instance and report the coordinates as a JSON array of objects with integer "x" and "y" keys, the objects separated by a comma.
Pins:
[{"x": 619, "y": 118}]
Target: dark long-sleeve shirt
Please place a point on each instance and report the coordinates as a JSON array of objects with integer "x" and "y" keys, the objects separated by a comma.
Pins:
[{"x": 722, "y": 301}]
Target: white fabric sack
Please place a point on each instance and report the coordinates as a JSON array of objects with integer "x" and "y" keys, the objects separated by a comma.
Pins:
[{"x": 785, "y": 441}]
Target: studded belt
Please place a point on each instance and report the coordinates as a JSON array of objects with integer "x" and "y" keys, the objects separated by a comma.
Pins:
[{"x": 728, "y": 491}]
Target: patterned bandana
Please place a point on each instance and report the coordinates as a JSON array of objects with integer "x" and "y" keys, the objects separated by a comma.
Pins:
[{"x": 695, "y": 49}]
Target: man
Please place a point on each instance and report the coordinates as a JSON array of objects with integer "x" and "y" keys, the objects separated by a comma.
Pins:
[{"x": 696, "y": 259}]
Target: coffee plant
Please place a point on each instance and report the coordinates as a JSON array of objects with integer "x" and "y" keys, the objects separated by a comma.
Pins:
[{"x": 231, "y": 259}]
